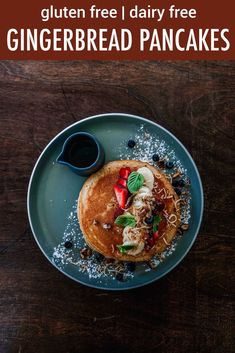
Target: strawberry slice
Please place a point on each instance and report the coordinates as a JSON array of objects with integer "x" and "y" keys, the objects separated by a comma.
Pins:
[
  {"x": 151, "y": 242},
  {"x": 122, "y": 182},
  {"x": 125, "y": 172},
  {"x": 121, "y": 195},
  {"x": 155, "y": 235}
]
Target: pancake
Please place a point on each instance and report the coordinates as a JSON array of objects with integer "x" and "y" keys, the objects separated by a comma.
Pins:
[{"x": 98, "y": 208}]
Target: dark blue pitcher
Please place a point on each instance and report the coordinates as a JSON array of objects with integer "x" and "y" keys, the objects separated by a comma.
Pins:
[{"x": 82, "y": 153}]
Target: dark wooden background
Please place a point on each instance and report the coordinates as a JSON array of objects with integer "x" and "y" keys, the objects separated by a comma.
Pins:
[{"x": 192, "y": 308}]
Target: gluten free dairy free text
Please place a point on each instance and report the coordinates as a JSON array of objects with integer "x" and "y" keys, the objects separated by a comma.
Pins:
[{"x": 99, "y": 37}]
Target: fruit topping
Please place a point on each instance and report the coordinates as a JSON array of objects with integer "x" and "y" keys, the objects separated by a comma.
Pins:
[
  {"x": 120, "y": 188},
  {"x": 122, "y": 182},
  {"x": 169, "y": 165},
  {"x": 149, "y": 220},
  {"x": 155, "y": 235},
  {"x": 175, "y": 183},
  {"x": 125, "y": 172},
  {"x": 121, "y": 195},
  {"x": 68, "y": 244},
  {"x": 151, "y": 242},
  {"x": 155, "y": 157},
  {"x": 180, "y": 183},
  {"x": 131, "y": 143},
  {"x": 148, "y": 176},
  {"x": 178, "y": 191},
  {"x": 143, "y": 192},
  {"x": 159, "y": 206}
]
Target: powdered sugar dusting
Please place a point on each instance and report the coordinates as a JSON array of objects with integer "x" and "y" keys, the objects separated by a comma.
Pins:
[
  {"x": 93, "y": 268},
  {"x": 146, "y": 145}
]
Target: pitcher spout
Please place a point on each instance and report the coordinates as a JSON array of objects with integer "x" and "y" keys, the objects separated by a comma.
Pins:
[{"x": 61, "y": 158}]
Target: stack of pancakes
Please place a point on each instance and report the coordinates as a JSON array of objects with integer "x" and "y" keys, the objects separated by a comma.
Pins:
[{"x": 97, "y": 210}]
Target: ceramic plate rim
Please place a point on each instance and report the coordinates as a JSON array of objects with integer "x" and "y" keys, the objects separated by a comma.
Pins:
[{"x": 132, "y": 116}]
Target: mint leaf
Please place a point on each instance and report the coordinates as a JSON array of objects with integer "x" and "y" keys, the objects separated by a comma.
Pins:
[
  {"x": 155, "y": 228},
  {"x": 124, "y": 248},
  {"x": 125, "y": 220},
  {"x": 134, "y": 182},
  {"x": 156, "y": 221}
]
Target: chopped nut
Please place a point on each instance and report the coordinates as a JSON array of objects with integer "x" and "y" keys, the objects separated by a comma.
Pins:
[
  {"x": 85, "y": 253},
  {"x": 176, "y": 175},
  {"x": 183, "y": 202},
  {"x": 165, "y": 241},
  {"x": 184, "y": 226},
  {"x": 107, "y": 226}
]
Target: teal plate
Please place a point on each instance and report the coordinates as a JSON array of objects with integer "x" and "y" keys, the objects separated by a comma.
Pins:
[{"x": 54, "y": 189}]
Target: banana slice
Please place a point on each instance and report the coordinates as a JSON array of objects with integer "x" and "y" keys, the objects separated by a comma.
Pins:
[
  {"x": 137, "y": 250},
  {"x": 143, "y": 192},
  {"x": 132, "y": 236},
  {"x": 148, "y": 177}
]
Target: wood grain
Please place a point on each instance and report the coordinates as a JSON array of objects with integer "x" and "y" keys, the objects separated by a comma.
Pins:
[{"x": 192, "y": 308}]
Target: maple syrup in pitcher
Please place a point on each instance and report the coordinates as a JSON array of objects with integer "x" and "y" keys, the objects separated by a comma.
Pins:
[{"x": 83, "y": 152}]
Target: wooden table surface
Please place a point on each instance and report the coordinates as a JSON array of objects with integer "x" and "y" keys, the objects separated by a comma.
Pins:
[{"x": 189, "y": 310}]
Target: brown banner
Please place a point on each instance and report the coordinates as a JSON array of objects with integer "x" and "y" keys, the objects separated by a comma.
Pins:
[{"x": 117, "y": 30}]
